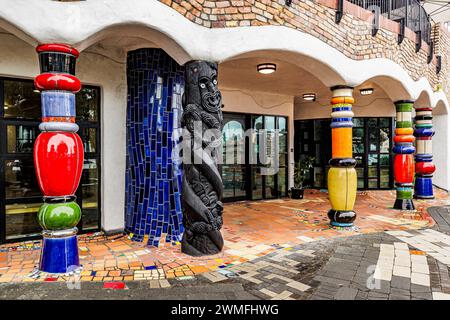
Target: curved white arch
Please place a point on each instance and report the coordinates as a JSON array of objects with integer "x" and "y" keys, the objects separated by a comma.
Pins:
[{"x": 83, "y": 23}]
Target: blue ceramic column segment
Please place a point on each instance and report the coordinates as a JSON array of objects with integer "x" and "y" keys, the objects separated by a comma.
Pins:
[{"x": 153, "y": 176}]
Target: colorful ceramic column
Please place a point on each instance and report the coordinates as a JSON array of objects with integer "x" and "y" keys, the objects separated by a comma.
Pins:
[
  {"x": 404, "y": 156},
  {"x": 342, "y": 174},
  {"x": 58, "y": 158},
  {"x": 423, "y": 187}
]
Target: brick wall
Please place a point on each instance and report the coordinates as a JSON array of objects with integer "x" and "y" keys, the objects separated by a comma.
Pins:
[{"x": 352, "y": 36}]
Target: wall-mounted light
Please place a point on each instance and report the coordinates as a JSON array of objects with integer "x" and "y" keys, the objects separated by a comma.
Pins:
[
  {"x": 309, "y": 96},
  {"x": 266, "y": 68},
  {"x": 366, "y": 91}
]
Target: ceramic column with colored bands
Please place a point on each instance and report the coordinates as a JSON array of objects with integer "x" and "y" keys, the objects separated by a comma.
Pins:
[
  {"x": 404, "y": 156},
  {"x": 424, "y": 132},
  {"x": 342, "y": 174},
  {"x": 58, "y": 158}
]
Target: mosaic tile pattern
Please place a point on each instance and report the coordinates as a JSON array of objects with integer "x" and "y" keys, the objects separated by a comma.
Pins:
[
  {"x": 252, "y": 230},
  {"x": 153, "y": 177}
]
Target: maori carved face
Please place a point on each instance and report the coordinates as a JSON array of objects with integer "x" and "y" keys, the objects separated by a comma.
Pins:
[{"x": 202, "y": 87}]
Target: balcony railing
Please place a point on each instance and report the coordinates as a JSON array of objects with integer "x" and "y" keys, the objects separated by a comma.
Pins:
[{"x": 409, "y": 13}]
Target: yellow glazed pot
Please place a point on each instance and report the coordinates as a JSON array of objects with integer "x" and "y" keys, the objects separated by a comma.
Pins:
[{"x": 342, "y": 188}]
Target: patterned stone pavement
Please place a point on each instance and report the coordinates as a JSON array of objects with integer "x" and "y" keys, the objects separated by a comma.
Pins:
[{"x": 261, "y": 235}]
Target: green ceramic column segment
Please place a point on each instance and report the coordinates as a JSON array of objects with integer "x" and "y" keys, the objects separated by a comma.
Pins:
[
  {"x": 404, "y": 115},
  {"x": 59, "y": 216},
  {"x": 403, "y": 193}
]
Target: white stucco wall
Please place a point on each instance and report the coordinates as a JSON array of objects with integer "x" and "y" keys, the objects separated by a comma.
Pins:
[
  {"x": 111, "y": 77},
  {"x": 18, "y": 59},
  {"x": 441, "y": 145}
]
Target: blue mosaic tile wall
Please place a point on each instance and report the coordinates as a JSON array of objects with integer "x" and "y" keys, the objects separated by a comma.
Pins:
[{"x": 153, "y": 178}]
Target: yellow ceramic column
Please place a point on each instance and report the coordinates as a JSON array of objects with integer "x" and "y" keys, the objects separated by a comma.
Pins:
[{"x": 342, "y": 174}]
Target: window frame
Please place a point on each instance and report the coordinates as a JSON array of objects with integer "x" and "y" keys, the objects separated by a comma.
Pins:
[{"x": 4, "y": 155}]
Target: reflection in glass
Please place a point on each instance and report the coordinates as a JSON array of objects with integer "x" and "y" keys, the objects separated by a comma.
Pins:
[
  {"x": 89, "y": 189},
  {"x": 358, "y": 140},
  {"x": 89, "y": 137},
  {"x": 282, "y": 125},
  {"x": 270, "y": 191},
  {"x": 20, "y": 179},
  {"x": 359, "y": 172},
  {"x": 87, "y": 104},
  {"x": 270, "y": 123},
  {"x": 384, "y": 122},
  {"x": 384, "y": 159},
  {"x": 20, "y": 139},
  {"x": 257, "y": 184},
  {"x": 360, "y": 184},
  {"x": 233, "y": 178},
  {"x": 372, "y": 122},
  {"x": 359, "y": 159},
  {"x": 282, "y": 180},
  {"x": 384, "y": 177},
  {"x": 373, "y": 183},
  {"x": 373, "y": 139},
  {"x": 21, "y": 100},
  {"x": 21, "y": 220},
  {"x": 358, "y": 122},
  {"x": 318, "y": 177},
  {"x": 384, "y": 140},
  {"x": 372, "y": 171},
  {"x": 372, "y": 159}
]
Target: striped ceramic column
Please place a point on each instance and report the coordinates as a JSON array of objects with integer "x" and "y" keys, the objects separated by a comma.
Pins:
[
  {"x": 404, "y": 158},
  {"x": 58, "y": 158},
  {"x": 423, "y": 187},
  {"x": 342, "y": 174}
]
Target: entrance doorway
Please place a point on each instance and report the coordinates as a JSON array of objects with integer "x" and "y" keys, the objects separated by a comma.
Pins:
[{"x": 247, "y": 180}]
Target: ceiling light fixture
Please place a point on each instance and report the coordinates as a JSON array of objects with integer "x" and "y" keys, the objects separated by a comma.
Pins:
[
  {"x": 309, "y": 96},
  {"x": 366, "y": 92},
  {"x": 266, "y": 68}
]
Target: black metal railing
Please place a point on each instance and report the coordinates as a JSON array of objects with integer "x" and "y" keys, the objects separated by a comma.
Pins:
[{"x": 410, "y": 13}]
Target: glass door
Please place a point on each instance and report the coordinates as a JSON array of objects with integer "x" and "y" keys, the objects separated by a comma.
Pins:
[
  {"x": 233, "y": 166},
  {"x": 255, "y": 144},
  {"x": 372, "y": 150}
]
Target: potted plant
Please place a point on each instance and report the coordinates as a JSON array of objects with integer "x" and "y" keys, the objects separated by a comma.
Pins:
[{"x": 301, "y": 170}]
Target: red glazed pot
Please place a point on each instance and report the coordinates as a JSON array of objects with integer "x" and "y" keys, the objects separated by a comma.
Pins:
[
  {"x": 58, "y": 160},
  {"x": 55, "y": 81},
  {"x": 425, "y": 167},
  {"x": 404, "y": 168}
]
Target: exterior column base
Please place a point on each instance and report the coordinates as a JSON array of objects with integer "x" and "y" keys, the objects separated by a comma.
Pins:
[
  {"x": 342, "y": 218},
  {"x": 404, "y": 204},
  {"x": 59, "y": 253},
  {"x": 424, "y": 197},
  {"x": 423, "y": 188}
]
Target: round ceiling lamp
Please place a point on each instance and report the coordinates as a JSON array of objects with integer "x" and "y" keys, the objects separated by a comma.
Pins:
[
  {"x": 266, "y": 68},
  {"x": 309, "y": 96},
  {"x": 366, "y": 91}
]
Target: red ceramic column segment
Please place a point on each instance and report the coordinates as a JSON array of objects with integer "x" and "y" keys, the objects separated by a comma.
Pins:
[
  {"x": 56, "y": 81},
  {"x": 58, "y": 159},
  {"x": 403, "y": 168},
  {"x": 57, "y": 47}
]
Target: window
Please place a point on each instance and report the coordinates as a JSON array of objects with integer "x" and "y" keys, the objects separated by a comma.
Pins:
[
  {"x": 372, "y": 144},
  {"x": 254, "y": 178},
  {"x": 20, "y": 116}
]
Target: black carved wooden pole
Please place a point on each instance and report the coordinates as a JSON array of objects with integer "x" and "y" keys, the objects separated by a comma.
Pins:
[{"x": 202, "y": 183}]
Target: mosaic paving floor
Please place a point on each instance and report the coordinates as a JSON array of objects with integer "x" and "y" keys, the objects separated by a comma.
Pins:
[{"x": 251, "y": 230}]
